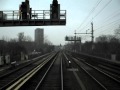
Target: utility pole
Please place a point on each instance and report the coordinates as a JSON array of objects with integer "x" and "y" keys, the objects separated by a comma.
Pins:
[
  {"x": 92, "y": 33},
  {"x": 75, "y": 42},
  {"x": 75, "y": 39},
  {"x": 75, "y": 36}
]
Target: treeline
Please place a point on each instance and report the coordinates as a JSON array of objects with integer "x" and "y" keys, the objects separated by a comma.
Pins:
[
  {"x": 22, "y": 45},
  {"x": 103, "y": 46}
]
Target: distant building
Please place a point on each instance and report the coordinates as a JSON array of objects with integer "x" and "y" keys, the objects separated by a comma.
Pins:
[{"x": 39, "y": 36}]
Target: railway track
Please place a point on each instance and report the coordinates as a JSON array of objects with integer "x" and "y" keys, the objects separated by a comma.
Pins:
[
  {"x": 111, "y": 71},
  {"x": 53, "y": 77},
  {"x": 109, "y": 67},
  {"x": 104, "y": 79},
  {"x": 86, "y": 82},
  {"x": 46, "y": 76},
  {"x": 10, "y": 70},
  {"x": 50, "y": 77},
  {"x": 11, "y": 77},
  {"x": 56, "y": 73}
]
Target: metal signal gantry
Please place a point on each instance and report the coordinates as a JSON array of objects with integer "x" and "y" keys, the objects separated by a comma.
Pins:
[
  {"x": 72, "y": 38},
  {"x": 25, "y": 16}
]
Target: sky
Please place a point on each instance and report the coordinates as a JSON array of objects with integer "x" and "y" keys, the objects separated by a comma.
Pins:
[{"x": 105, "y": 15}]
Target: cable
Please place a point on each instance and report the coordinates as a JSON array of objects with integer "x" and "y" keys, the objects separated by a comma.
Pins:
[
  {"x": 112, "y": 15},
  {"x": 98, "y": 13},
  {"x": 110, "y": 18},
  {"x": 106, "y": 19},
  {"x": 90, "y": 13},
  {"x": 107, "y": 24},
  {"x": 104, "y": 30},
  {"x": 102, "y": 9}
]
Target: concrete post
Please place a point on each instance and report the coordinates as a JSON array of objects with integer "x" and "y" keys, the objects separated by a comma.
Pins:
[
  {"x": 22, "y": 56},
  {"x": 113, "y": 57}
]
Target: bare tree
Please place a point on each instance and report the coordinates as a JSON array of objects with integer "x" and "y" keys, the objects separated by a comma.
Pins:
[
  {"x": 13, "y": 40},
  {"x": 47, "y": 41},
  {"x": 117, "y": 33},
  {"x": 27, "y": 38},
  {"x": 20, "y": 36},
  {"x": 102, "y": 38},
  {"x": 5, "y": 38}
]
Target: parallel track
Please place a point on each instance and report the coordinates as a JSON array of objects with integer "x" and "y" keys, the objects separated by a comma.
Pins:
[
  {"x": 53, "y": 77},
  {"x": 8, "y": 79},
  {"x": 46, "y": 76},
  {"x": 88, "y": 82},
  {"x": 107, "y": 66},
  {"x": 104, "y": 79}
]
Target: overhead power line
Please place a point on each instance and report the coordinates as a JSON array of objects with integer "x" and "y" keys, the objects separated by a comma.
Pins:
[
  {"x": 98, "y": 13},
  {"x": 105, "y": 30},
  {"x": 90, "y": 13},
  {"x": 108, "y": 18},
  {"x": 102, "y": 8},
  {"x": 109, "y": 28},
  {"x": 108, "y": 24}
]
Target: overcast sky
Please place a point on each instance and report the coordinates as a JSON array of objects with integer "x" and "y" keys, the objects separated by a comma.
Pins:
[{"x": 105, "y": 15}]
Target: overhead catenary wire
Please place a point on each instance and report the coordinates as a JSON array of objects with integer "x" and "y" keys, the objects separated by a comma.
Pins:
[
  {"x": 114, "y": 14},
  {"x": 106, "y": 29},
  {"x": 109, "y": 18},
  {"x": 103, "y": 31},
  {"x": 109, "y": 28},
  {"x": 105, "y": 23},
  {"x": 98, "y": 13},
  {"x": 90, "y": 13},
  {"x": 102, "y": 9},
  {"x": 108, "y": 24}
]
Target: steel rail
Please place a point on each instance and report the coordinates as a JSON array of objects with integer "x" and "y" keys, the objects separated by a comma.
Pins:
[
  {"x": 38, "y": 85},
  {"x": 98, "y": 70},
  {"x": 34, "y": 60},
  {"x": 103, "y": 72},
  {"x": 76, "y": 76},
  {"x": 101, "y": 85},
  {"x": 19, "y": 77},
  {"x": 61, "y": 75}
]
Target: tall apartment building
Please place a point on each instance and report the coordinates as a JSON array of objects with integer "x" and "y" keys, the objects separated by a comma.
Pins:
[{"x": 39, "y": 36}]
